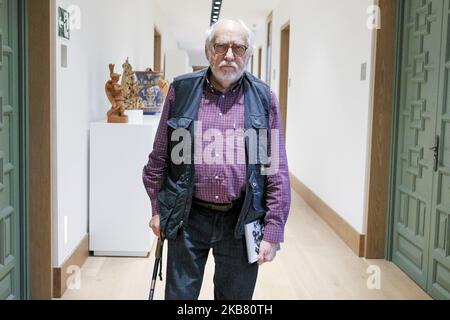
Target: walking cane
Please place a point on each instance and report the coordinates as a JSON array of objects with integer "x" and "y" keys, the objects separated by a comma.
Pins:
[{"x": 158, "y": 265}]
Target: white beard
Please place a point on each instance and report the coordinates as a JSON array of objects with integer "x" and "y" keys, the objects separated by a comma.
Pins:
[{"x": 227, "y": 76}]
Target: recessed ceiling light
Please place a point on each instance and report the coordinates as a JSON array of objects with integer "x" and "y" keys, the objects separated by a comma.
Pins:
[{"x": 215, "y": 11}]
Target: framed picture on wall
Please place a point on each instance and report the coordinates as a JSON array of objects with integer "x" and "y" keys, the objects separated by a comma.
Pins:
[{"x": 63, "y": 23}]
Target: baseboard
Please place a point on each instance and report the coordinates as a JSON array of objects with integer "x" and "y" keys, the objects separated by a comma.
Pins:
[
  {"x": 343, "y": 229},
  {"x": 60, "y": 275}
]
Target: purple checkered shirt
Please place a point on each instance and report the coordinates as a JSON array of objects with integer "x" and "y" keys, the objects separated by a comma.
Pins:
[{"x": 224, "y": 182}]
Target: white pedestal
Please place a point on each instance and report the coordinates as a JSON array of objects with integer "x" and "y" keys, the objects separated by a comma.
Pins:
[
  {"x": 135, "y": 116},
  {"x": 119, "y": 208}
]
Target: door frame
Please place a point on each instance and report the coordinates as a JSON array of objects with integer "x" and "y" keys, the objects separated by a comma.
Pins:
[
  {"x": 259, "y": 62},
  {"x": 23, "y": 152},
  {"x": 41, "y": 32},
  {"x": 395, "y": 124},
  {"x": 285, "y": 45},
  {"x": 382, "y": 141},
  {"x": 157, "y": 49}
]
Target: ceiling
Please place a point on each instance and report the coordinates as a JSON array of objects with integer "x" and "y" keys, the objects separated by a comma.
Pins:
[{"x": 189, "y": 20}]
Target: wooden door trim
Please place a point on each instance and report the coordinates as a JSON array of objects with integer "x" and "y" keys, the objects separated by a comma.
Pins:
[
  {"x": 394, "y": 136},
  {"x": 40, "y": 44},
  {"x": 157, "y": 50},
  {"x": 284, "y": 75},
  {"x": 383, "y": 133},
  {"x": 269, "y": 44},
  {"x": 24, "y": 146},
  {"x": 260, "y": 62},
  {"x": 286, "y": 25}
]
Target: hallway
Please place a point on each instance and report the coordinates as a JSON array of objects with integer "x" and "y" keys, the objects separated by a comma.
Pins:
[
  {"x": 359, "y": 88},
  {"x": 313, "y": 264}
]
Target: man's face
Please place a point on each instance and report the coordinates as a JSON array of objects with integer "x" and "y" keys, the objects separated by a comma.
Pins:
[{"x": 228, "y": 66}]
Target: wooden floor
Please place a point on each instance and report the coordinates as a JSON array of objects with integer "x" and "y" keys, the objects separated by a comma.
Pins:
[{"x": 314, "y": 263}]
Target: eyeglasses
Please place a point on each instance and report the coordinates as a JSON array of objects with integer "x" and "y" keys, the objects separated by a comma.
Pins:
[{"x": 222, "y": 48}]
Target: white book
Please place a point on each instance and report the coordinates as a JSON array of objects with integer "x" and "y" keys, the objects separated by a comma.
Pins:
[{"x": 254, "y": 232}]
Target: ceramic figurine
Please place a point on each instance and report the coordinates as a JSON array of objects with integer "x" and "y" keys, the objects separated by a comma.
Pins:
[{"x": 130, "y": 88}]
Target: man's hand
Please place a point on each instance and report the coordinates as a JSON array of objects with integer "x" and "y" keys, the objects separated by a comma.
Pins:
[
  {"x": 154, "y": 225},
  {"x": 267, "y": 252}
]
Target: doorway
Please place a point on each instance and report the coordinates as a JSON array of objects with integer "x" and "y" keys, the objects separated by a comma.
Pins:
[
  {"x": 420, "y": 206},
  {"x": 259, "y": 62},
  {"x": 269, "y": 50},
  {"x": 284, "y": 74},
  {"x": 157, "y": 51}
]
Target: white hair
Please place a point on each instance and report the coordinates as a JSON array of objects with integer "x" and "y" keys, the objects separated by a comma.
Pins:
[{"x": 210, "y": 33}]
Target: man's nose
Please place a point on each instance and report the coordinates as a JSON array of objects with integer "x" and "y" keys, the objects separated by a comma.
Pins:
[{"x": 230, "y": 55}]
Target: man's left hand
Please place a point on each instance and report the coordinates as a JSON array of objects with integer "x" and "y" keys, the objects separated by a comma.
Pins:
[{"x": 267, "y": 252}]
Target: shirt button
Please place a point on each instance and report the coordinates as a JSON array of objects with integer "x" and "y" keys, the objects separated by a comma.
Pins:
[
  {"x": 219, "y": 134},
  {"x": 217, "y": 197},
  {"x": 217, "y": 177},
  {"x": 220, "y": 114},
  {"x": 223, "y": 97}
]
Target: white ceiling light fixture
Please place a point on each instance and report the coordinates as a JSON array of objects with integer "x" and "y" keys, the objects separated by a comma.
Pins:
[{"x": 215, "y": 11}]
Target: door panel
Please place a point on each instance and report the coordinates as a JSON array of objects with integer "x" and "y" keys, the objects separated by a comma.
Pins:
[
  {"x": 419, "y": 78},
  {"x": 9, "y": 153},
  {"x": 439, "y": 262}
]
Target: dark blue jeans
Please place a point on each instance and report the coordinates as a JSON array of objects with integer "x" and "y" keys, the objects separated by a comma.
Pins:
[{"x": 234, "y": 277}]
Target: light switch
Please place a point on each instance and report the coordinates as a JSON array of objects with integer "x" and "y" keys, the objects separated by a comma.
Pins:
[
  {"x": 63, "y": 56},
  {"x": 364, "y": 71}
]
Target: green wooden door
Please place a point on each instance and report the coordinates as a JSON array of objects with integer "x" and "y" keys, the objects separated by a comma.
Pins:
[
  {"x": 10, "y": 272},
  {"x": 439, "y": 261},
  {"x": 421, "y": 204}
]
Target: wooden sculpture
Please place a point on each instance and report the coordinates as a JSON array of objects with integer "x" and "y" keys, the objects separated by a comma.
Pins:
[{"x": 114, "y": 92}]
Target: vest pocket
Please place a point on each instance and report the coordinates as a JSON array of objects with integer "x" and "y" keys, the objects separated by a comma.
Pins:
[
  {"x": 260, "y": 143},
  {"x": 171, "y": 208},
  {"x": 257, "y": 191},
  {"x": 259, "y": 121}
]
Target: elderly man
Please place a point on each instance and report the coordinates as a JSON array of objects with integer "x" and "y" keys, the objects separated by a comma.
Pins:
[{"x": 205, "y": 204}]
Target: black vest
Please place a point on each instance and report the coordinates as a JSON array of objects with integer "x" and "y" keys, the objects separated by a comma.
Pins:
[{"x": 175, "y": 197}]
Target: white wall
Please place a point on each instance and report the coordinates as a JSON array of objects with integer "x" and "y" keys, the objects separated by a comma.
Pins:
[
  {"x": 168, "y": 41},
  {"x": 328, "y": 108},
  {"x": 111, "y": 31},
  {"x": 197, "y": 58},
  {"x": 177, "y": 64}
]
